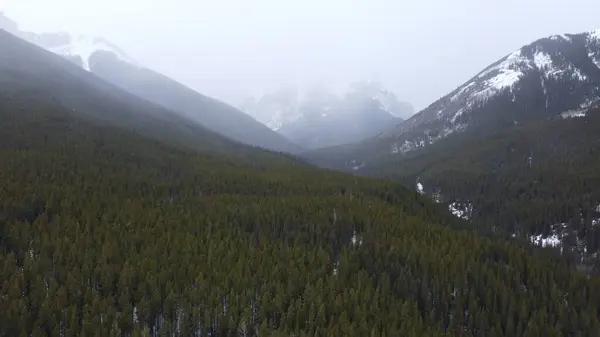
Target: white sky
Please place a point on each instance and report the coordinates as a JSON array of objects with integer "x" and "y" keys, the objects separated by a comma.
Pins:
[{"x": 230, "y": 49}]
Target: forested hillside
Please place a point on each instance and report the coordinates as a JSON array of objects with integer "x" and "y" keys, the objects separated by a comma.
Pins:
[
  {"x": 104, "y": 232},
  {"x": 539, "y": 178},
  {"x": 109, "y": 227}
]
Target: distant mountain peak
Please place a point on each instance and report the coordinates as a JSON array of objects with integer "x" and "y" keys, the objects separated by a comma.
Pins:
[{"x": 320, "y": 118}]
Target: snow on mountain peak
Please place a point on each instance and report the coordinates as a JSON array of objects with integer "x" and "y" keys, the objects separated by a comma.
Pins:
[
  {"x": 85, "y": 46},
  {"x": 548, "y": 64},
  {"x": 508, "y": 73}
]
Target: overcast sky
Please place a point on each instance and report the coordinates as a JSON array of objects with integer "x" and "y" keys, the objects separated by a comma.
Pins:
[{"x": 229, "y": 49}]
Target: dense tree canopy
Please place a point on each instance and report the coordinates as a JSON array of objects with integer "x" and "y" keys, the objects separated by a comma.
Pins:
[{"x": 105, "y": 232}]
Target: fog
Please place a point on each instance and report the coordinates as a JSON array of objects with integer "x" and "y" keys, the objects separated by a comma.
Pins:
[{"x": 232, "y": 49}]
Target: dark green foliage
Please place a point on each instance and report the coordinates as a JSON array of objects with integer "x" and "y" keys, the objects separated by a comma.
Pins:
[
  {"x": 524, "y": 179},
  {"x": 107, "y": 232}
]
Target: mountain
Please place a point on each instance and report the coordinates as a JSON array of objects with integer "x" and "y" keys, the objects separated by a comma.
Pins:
[
  {"x": 320, "y": 118},
  {"x": 514, "y": 149},
  {"x": 118, "y": 218},
  {"x": 112, "y": 64},
  {"x": 555, "y": 75},
  {"x": 543, "y": 79},
  {"x": 537, "y": 181}
]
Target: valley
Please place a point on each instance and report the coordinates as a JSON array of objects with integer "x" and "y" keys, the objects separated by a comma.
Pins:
[{"x": 132, "y": 205}]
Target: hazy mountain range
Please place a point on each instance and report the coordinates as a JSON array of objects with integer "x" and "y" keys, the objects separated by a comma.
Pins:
[
  {"x": 516, "y": 147},
  {"x": 319, "y": 118}
]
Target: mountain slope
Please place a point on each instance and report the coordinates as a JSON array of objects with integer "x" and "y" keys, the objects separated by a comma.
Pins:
[
  {"x": 112, "y": 64},
  {"x": 548, "y": 77},
  {"x": 209, "y": 112},
  {"x": 513, "y": 149},
  {"x": 551, "y": 76},
  {"x": 106, "y": 231},
  {"x": 26, "y": 73},
  {"x": 538, "y": 180}
]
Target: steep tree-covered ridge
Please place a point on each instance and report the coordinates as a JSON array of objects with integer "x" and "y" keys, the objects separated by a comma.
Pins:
[{"x": 109, "y": 228}]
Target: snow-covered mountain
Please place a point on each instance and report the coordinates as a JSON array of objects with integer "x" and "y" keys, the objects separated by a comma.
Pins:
[
  {"x": 319, "y": 118},
  {"x": 543, "y": 79},
  {"x": 111, "y": 63}
]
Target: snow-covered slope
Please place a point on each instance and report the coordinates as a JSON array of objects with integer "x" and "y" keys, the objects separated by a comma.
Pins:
[{"x": 546, "y": 78}]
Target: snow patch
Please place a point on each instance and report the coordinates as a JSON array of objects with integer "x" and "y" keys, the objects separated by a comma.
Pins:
[
  {"x": 356, "y": 240},
  {"x": 460, "y": 92},
  {"x": 577, "y": 74},
  {"x": 542, "y": 60},
  {"x": 84, "y": 47},
  {"x": 506, "y": 78},
  {"x": 549, "y": 241},
  {"x": 457, "y": 114},
  {"x": 357, "y": 167},
  {"x": 544, "y": 63},
  {"x": 420, "y": 188},
  {"x": 573, "y": 114},
  {"x": 135, "y": 318},
  {"x": 558, "y": 37},
  {"x": 594, "y": 59},
  {"x": 507, "y": 74},
  {"x": 461, "y": 210}
]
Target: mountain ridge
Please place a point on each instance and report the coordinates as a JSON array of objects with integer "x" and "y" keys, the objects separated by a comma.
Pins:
[
  {"x": 109, "y": 62},
  {"x": 537, "y": 71}
]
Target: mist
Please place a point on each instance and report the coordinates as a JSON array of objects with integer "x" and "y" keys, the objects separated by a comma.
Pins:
[{"x": 233, "y": 49}]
